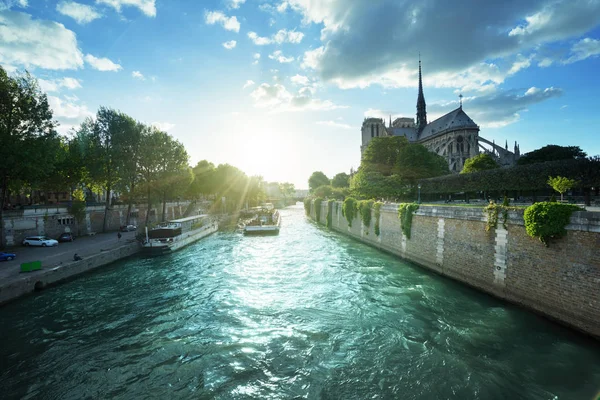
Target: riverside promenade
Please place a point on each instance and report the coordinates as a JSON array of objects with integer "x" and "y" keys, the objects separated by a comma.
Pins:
[{"x": 58, "y": 264}]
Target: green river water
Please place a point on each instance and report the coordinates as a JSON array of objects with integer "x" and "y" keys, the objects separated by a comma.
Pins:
[{"x": 306, "y": 314}]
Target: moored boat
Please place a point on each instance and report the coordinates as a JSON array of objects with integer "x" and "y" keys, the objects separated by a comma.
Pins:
[
  {"x": 263, "y": 221},
  {"x": 177, "y": 233}
]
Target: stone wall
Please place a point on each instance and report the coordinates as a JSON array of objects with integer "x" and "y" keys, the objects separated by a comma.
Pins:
[
  {"x": 561, "y": 281},
  {"x": 52, "y": 221}
]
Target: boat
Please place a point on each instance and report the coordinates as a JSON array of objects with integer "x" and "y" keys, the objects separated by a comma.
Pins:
[
  {"x": 175, "y": 234},
  {"x": 264, "y": 220}
]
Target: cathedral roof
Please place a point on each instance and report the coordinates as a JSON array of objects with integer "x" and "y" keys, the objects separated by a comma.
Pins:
[
  {"x": 409, "y": 133},
  {"x": 456, "y": 119}
]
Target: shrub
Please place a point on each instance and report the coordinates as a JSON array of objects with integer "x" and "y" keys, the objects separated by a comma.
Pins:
[
  {"x": 349, "y": 209},
  {"x": 405, "y": 213},
  {"x": 377, "y": 211},
  {"x": 546, "y": 220},
  {"x": 318, "y": 202},
  {"x": 364, "y": 207},
  {"x": 330, "y": 213},
  {"x": 307, "y": 205}
]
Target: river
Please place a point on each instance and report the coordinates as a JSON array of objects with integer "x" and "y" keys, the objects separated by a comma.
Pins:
[{"x": 306, "y": 314}]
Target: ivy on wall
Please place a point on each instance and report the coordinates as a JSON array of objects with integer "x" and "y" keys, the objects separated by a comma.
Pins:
[
  {"x": 349, "y": 209},
  {"x": 365, "y": 207},
  {"x": 377, "y": 211},
  {"x": 546, "y": 220},
  {"x": 318, "y": 202},
  {"x": 405, "y": 213},
  {"x": 307, "y": 204},
  {"x": 330, "y": 212}
]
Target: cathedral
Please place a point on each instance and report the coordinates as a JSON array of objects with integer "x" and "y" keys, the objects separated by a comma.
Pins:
[{"x": 455, "y": 136}]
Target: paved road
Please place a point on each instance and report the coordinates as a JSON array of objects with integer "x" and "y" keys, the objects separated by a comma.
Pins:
[{"x": 53, "y": 256}]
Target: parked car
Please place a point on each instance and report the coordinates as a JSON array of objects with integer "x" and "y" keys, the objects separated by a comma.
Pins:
[
  {"x": 39, "y": 241},
  {"x": 7, "y": 256},
  {"x": 128, "y": 228},
  {"x": 66, "y": 237}
]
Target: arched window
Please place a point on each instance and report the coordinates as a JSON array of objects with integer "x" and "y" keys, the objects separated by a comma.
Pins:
[
  {"x": 460, "y": 146},
  {"x": 377, "y": 130},
  {"x": 372, "y": 131}
]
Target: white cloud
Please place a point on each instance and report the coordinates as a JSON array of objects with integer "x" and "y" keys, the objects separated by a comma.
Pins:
[
  {"x": 353, "y": 54},
  {"x": 498, "y": 109},
  {"x": 68, "y": 113},
  {"x": 138, "y": 75},
  {"x": 8, "y": 4},
  {"x": 282, "y": 36},
  {"x": 230, "y": 44},
  {"x": 583, "y": 49},
  {"x": 102, "y": 64},
  {"x": 248, "y": 84},
  {"x": 148, "y": 7},
  {"x": 277, "y": 98},
  {"x": 279, "y": 57},
  {"x": 300, "y": 80},
  {"x": 32, "y": 43},
  {"x": 81, "y": 13},
  {"x": 164, "y": 126},
  {"x": 236, "y": 3},
  {"x": 334, "y": 124},
  {"x": 256, "y": 57},
  {"x": 229, "y": 23},
  {"x": 55, "y": 84}
]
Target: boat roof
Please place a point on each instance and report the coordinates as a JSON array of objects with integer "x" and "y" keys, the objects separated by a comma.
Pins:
[{"x": 186, "y": 219}]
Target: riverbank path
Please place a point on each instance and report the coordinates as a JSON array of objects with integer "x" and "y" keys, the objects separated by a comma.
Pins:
[{"x": 50, "y": 257}]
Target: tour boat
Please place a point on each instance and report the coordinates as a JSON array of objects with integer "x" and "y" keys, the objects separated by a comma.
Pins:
[
  {"x": 175, "y": 234},
  {"x": 264, "y": 220}
]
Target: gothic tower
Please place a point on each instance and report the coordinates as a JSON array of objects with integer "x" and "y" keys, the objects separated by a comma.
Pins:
[{"x": 421, "y": 108}]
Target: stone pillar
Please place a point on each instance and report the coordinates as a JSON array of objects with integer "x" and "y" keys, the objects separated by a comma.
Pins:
[
  {"x": 439, "y": 257},
  {"x": 500, "y": 256}
]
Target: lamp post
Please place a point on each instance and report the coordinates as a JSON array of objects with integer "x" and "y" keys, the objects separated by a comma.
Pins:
[{"x": 419, "y": 195}]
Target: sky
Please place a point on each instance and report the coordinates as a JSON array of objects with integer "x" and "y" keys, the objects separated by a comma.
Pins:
[{"x": 280, "y": 88}]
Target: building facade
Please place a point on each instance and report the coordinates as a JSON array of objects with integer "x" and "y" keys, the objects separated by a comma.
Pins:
[{"x": 454, "y": 136}]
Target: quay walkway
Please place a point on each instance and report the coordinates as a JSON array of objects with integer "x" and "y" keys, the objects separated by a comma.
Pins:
[{"x": 58, "y": 264}]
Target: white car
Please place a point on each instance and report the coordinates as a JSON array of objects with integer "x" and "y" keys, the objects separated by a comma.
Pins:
[{"x": 39, "y": 241}]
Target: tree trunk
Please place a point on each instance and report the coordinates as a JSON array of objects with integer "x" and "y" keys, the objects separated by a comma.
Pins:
[
  {"x": 148, "y": 208},
  {"x": 106, "y": 209},
  {"x": 129, "y": 205}
]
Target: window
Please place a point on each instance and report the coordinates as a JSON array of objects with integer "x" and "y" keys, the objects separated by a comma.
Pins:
[
  {"x": 372, "y": 131},
  {"x": 377, "y": 130},
  {"x": 66, "y": 221}
]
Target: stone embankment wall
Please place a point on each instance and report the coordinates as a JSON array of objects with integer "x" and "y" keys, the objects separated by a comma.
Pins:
[
  {"x": 38, "y": 280},
  {"x": 561, "y": 281},
  {"x": 52, "y": 221}
]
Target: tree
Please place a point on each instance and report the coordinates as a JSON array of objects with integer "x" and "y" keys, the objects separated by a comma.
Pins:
[
  {"x": 341, "y": 180},
  {"x": 382, "y": 154},
  {"x": 287, "y": 190},
  {"x": 150, "y": 162},
  {"x": 28, "y": 138},
  {"x": 552, "y": 152},
  {"x": 127, "y": 168},
  {"x": 480, "y": 162},
  {"x": 203, "y": 184},
  {"x": 561, "y": 184},
  {"x": 415, "y": 162},
  {"x": 317, "y": 179}
]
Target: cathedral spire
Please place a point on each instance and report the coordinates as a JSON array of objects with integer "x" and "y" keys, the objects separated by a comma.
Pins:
[
  {"x": 390, "y": 120},
  {"x": 421, "y": 107}
]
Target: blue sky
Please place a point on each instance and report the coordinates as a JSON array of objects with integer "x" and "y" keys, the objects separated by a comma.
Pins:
[{"x": 280, "y": 88}]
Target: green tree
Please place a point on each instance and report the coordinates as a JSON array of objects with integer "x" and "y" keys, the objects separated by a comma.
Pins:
[
  {"x": 552, "y": 152},
  {"x": 150, "y": 160},
  {"x": 204, "y": 183},
  {"x": 287, "y": 190},
  {"x": 382, "y": 154},
  {"x": 317, "y": 179},
  {"x": 416, "y": 162},
  {"x": 127, "y": 161},
  {"x": 561, "y": 184},
  {"x": 341, "y": 180},
  {"x": 174, "y": 175},
  {"x": 480, "y": 162},
  {"x": 28, "y": 138}
]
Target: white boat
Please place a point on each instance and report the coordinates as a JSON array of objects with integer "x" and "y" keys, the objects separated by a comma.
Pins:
[
  {"x": 175, "y": 234},
  {"x": 264, "y": 221}
]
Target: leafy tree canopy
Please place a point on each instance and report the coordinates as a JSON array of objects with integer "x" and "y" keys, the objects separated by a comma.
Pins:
[
  {"x": 416, "y": 162},
  {"x": 480, "y": 162},
  {"x": 382, "y": 154},
  {"x": 341, "y": 180},
  {"x": 561, "y": 184},
  {"x": 317, "y": 179},
  {"x": 552, "y": 152}
]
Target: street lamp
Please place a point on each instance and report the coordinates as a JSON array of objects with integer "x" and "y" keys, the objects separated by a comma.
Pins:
[{"x": 419, "y": 198}]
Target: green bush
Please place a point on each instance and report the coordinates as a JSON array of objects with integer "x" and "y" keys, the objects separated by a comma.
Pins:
[
  {"x": 377, "y": 211},
  {"x": 318, "y": 202},
  {"x": 307, "y": 204},
  {"x": 546, "y": 220},
  {"x": 365, "y": 207},
  {"x": 405, "y": 213},
  {"x": 349, "y": 209},
  {"x": 330, "y": 213}
]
